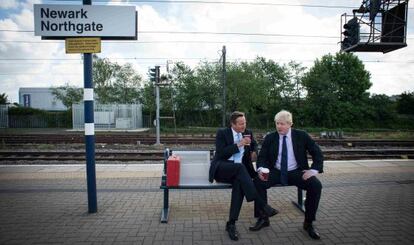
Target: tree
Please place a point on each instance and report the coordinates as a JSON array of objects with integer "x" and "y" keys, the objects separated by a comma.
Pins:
[
  {"x": 296, "y": 92},
  {"x": 127, "y": 86},
  {"x": 115, "y": 83},
  {"x": 259, "y": 88},
  {"x": 405, "y": 103},
  {"x": 3, "y": 99},
  {"x": 148, "y": 98},
  {"x": 337, "y": 91},
  {"x": 382, "y": 111},
  {"x": 295, "y": 72},
  {"x": 68, "y": 95},
  {"x": 271, "y": 77},
  {"x": 196, "y": 92},
  {"x": 103, "y": 73}
]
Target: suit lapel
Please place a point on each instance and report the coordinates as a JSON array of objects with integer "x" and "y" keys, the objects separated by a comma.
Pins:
[
  {"x": 229, "y": 136},
  {"x": 295, "y": 142},
  {"x": 276, "y": 144}
]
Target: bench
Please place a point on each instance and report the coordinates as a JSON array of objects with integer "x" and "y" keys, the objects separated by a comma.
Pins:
[{"x": 194, "y": 168}]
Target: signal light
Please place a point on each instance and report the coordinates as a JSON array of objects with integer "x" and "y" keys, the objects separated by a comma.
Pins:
[
  {"x": 154, "y": 74},
  {"x": 351, "y": 33}
]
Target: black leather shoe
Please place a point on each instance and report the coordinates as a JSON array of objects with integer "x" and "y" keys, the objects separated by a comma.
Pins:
[
  {"x": 269, "y": 211},
  {"x": 311, "y": 231},
  {"x": 233, "y": 233},
  {"x": 260, "y": 224}
]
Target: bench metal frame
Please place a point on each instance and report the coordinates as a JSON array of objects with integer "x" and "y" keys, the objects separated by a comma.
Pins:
[{"x": 166, "y": 210}]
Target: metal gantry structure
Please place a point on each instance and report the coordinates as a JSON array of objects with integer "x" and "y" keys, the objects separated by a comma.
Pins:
[{"x": 376, "y": 26}]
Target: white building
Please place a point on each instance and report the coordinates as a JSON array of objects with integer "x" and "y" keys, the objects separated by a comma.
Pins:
[{"x": 40, "y": 98}]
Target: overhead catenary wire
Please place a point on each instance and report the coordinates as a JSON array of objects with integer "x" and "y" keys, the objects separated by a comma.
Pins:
[
  {"x": 178, "y": 41},
  {"x": 266, "y": 4},
  {"x": 213, "y": 3},
  {"x": 209, "y": 33},
  {"x": 183, "y": 58}
]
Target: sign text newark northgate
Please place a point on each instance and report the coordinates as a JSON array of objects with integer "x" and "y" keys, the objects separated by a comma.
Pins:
[
  {"x": 46, "y": 25},
  {"x": 107, "y": 22}
]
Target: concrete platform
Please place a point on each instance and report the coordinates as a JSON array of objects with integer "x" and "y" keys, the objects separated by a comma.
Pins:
[{"x": 363, "y": 202}]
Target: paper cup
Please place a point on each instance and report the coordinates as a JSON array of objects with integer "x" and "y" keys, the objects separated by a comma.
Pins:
[
  {"x": 248, "y": 136},
  {"x": 265, "y": 173}
]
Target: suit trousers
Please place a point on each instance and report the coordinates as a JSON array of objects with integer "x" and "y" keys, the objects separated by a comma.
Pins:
[
  {"x": 312, "y": 186},
  {"x": 237, "y": 175}
]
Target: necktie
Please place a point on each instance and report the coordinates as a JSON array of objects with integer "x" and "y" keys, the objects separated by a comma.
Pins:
[
  {"x": 283, "y": 164},
  {"x": 237, "y": 156}
]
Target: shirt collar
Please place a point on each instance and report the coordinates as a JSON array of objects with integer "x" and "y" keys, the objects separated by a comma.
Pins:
[{"x": 234, "y": 133}]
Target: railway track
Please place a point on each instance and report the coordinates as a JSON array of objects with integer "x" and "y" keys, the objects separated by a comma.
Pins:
[
  {"x": 80, "y": 155},
  {"x": 124, "y": 156},
  {"x": 134, "y": 139}
]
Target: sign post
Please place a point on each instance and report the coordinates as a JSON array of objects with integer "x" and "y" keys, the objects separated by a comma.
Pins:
[
  {"x": 89, "y": 129},
  {"x": 83, "y": 27}
]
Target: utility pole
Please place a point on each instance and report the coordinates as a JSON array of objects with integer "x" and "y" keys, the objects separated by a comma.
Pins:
[
  {"x": 224, "y": 86},
  {"x": 157, "y": 95},
  {"x": 154, "y": 75}
]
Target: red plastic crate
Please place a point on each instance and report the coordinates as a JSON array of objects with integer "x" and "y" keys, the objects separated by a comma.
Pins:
[{"x": 173, "y": 170}]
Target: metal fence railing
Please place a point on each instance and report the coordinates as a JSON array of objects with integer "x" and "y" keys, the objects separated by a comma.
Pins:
[
  {"x": 4, "y": 116},
  {"x": 117, "y": 116},
  {"x": 45, "y": 120}
]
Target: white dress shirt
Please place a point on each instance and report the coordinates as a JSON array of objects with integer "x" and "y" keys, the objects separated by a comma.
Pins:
[
  {"x": 292, "y": 164},
  {"x": 236, "y": 139}
]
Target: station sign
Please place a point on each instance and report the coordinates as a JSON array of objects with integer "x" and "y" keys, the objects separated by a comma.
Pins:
[{"x": 54, "y": 21}]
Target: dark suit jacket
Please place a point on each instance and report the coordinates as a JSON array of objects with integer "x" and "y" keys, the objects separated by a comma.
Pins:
[
  {"x": 225, "y": 148},
  {"x": 302, "y": 144}
]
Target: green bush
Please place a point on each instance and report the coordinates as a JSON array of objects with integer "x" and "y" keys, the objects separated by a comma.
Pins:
[{"x": 23, "y": 117}]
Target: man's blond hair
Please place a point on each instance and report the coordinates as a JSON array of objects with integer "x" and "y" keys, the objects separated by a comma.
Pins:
[{"x": 284, "y": 116}]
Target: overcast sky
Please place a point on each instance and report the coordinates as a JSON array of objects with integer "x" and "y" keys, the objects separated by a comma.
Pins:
[{"x": 284, "y": 27}]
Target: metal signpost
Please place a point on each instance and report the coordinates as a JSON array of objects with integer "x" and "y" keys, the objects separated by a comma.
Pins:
[{"x": 83, "y": 22}]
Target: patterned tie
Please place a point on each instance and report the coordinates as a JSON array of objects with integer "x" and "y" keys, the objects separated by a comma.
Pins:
[
  {"x": 283, "y": 163},
  {"x": 237, "y": 156}
]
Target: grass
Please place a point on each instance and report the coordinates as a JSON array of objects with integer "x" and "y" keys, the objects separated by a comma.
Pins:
[{"x": 400, "y": 135}]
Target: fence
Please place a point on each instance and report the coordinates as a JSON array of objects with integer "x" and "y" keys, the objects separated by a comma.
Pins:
[
  {"x": 43, "y": 120},
  {"x": 118, "y": 116},
  {"x": 4, "y": 116}
]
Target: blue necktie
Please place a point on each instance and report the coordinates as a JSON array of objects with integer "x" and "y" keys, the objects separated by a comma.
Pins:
[
  {"x": 283, "y": 164},
  {"x": 237, "y": 156}
]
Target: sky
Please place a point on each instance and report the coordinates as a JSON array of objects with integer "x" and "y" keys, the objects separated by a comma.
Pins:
[{"x": 173, "y": 31}]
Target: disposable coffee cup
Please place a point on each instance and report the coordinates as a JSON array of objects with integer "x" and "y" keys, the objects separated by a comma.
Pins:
[
  {"x": 248, "y": 136},
  {"x": 265, "y": 173}
]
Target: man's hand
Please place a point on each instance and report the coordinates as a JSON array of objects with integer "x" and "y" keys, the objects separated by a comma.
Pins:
[
  {"x": 309, "y": 173},
  {"x": 245, "y": 141},
  {"x": 260, "y": 174}
]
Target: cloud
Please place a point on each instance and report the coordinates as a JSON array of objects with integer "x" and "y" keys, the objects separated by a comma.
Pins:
[
  {"x": 390, "y": 76},
  {"x": 9, "y": 4},
  {"x": 25, "y": 64}
]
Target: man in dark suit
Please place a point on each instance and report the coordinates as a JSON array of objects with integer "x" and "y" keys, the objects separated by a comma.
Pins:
[
  {"x": 284, "y": 153},
  {"x": 232, "y": 163}
]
